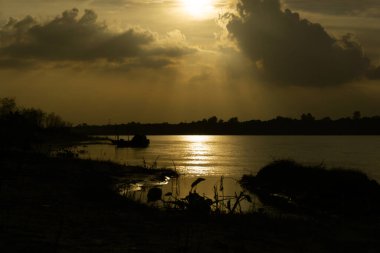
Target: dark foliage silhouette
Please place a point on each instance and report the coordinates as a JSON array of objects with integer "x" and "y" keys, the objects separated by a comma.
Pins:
[
  {"x": 287, "y": 184},
  {"x": 306, "y": 125},
  {"x": 22, "y": 127}
]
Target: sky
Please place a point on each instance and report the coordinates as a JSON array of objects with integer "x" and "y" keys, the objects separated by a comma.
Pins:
[{"x": 117, "y": 61}]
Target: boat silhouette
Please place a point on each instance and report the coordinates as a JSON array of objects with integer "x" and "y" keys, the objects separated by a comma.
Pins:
[{"x": 138, "y": 141}]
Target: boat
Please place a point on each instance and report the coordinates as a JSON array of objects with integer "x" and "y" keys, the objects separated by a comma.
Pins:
[{"x": 138, "y": 141}]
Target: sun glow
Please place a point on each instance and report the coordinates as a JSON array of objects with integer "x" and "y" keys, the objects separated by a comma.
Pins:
[
  {"x": 197, "y": 138},
  {"x": 199, "y": 9}
]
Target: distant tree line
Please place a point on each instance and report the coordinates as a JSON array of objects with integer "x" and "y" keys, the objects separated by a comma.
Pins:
[
  {"x": 307, "y": 124},
  {"x": 19, "y": 127}
]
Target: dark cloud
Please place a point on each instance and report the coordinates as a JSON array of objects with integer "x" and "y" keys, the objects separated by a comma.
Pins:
[
  {"x": 70, "y": 37},
  {"x": 291, "y": 50},
  {"x": 16, "y": 64},
  {"x": 337, "y": 7},
  {"x": 374, "y": 73}
]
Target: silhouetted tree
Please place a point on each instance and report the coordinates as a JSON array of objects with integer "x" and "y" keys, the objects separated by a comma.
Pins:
[
  {"x": 233, "y": 120},
  {"x": 307, "y": 117},
  {"x": 282, "y": 119},
  {"x": 356, "y": 115},
  {"x": 55, "y": 121},
  {"x": 212, "y": 120},
  {"x": 326, "y": 119},
  {"x": 34, "y": 118},
  {"x": 23, "y": 127},
  {"x": 7, "y": 106}
]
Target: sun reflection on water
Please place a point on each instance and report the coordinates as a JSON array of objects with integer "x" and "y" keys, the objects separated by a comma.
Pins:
[{"x": 198, "y": 154}]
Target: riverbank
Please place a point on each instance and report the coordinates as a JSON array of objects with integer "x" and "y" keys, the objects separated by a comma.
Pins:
[{"x": 70, "y": 205}]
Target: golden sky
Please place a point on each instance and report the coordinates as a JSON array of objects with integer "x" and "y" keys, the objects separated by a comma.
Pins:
[{"x": 101, "y": 61}]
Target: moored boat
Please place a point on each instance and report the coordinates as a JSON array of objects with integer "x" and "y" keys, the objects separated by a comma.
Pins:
[{"x": 138, "y": 141}]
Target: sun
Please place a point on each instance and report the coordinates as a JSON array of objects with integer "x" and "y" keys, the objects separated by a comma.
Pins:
[{"x": 199, "y": 9}]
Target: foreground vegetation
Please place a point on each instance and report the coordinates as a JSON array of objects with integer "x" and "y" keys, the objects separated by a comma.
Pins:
[
  {"x": 289, "y": 185},
  {"x": 69, "y": 205}
]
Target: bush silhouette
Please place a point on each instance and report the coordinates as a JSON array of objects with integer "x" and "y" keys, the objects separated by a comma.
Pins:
[{"x": 315, "y": 188}]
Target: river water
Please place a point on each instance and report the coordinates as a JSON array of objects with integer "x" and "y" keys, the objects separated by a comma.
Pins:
[{"x": 211, "y": 156}]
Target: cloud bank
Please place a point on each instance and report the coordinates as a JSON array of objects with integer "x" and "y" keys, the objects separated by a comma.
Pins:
[
  {"x": 74, "y": 38},
  {"x": 338, "y": 7},
  {"x": 290, "y": 50}
]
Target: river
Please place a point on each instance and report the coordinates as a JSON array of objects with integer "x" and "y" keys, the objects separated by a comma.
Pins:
[{"x": 211, "y": 157}]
